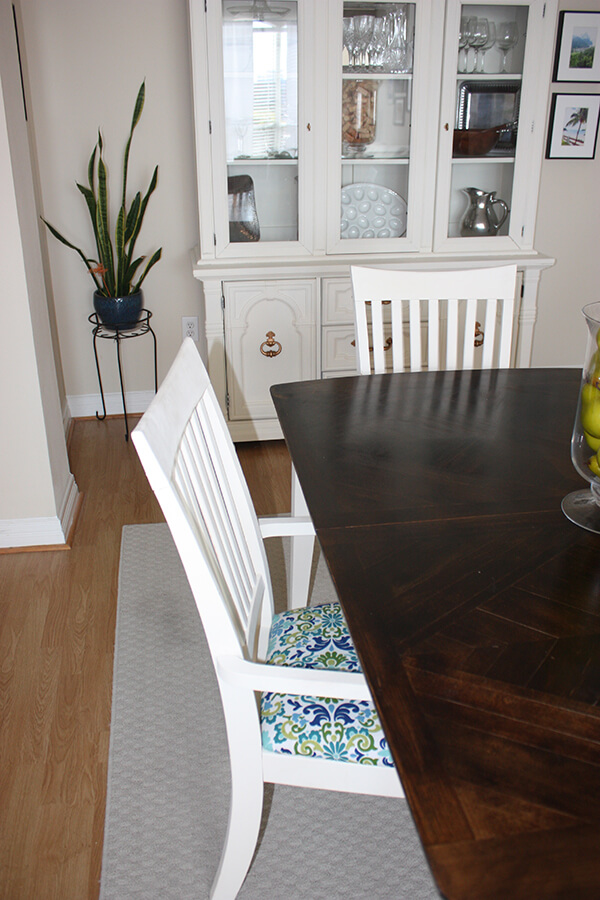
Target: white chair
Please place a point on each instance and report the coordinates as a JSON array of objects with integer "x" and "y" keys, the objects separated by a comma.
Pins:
[
  {"x": 269, "y": 667},
  {"x": 447, "y": 316}
]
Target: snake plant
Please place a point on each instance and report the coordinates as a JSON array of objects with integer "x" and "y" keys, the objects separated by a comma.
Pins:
[{"x": 115, "y": 270}]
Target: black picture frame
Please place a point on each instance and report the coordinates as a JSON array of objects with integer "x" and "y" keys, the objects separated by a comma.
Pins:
[
  {"x": 577, "y": 56},
  {"x": 573, "y": 126}
]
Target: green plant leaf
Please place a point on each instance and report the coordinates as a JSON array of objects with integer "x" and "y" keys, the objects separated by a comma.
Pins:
[
  {"x": 133, "y": 267},
  {"x": 153, "y": 260},
  {"x": 88, "y": 262},
  {"x": 92, "y": 166},
  {"x": 122, "y": 288},
  {"x": 144, "y": 204},
  {"x": 90, "y": 199},
  {"x": 132, "y": 217},
  {"x": 139, "y": 105},
  {"x": 137, "y": 112},
  {"x": 104, "y": 241}
]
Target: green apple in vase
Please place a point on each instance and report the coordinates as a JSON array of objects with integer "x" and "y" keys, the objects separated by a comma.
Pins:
[{"x": 590, "y": 411}]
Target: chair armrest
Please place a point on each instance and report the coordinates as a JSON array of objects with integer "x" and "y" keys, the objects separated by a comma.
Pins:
[
  {"x": 293, "y": 680},
  {"x": 281, "y": 526}
]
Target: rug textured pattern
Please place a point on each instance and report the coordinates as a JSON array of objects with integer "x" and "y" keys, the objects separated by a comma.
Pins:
[{"x": 168, "y": 783}]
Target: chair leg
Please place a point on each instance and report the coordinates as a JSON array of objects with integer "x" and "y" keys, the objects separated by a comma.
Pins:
[
  {"x": 245, "y": 812},
  {"x": 301, "y": 554}
]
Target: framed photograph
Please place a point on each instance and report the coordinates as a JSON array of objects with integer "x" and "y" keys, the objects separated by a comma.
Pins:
[
  {"x": 577, "y": 53},
  {"x": 573, "y": 127}
]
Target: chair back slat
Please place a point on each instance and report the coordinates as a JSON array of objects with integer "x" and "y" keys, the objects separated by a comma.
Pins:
[
  {"x": 378, "y": 335},
  {"x": 436, "y": 316},
  {"x": 468, "y": 354},
  {"x": 433, "y": 334},
  {"x": 192, "y": 466},
  {"x": 451, "y": 361},
  {"x": 201, "y": 488},
  {"x": 414, "y": 326},
  {"x": 397, "y": 340}
]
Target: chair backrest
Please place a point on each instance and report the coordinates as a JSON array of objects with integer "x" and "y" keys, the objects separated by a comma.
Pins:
[
  {"x": 191, "y": 464},
  {"x": 426, "y": 317}
]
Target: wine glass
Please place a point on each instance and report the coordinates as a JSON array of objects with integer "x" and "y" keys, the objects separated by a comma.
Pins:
[
  {"x": 349, "y": 39},
  {"x": 241, "y": 128},
  {"x": 478, "y": 36},
  {"x": 463, "y": 43},
  {"x": 507, "y": 35},
  {"x": 364, "y": 30},
  {"x": 378, "y": 43},
  {"x": 583, "y": 507},
  {"x": 491, "y": 40}
]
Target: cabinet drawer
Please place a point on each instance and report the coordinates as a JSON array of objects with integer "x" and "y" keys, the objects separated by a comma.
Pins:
[
  {"x": 338, "y": 352},
  {"x": 338, "y": 301}
]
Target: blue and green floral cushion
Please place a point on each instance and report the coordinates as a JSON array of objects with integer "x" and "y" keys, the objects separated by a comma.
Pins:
[{"x": 317, "y": 637}]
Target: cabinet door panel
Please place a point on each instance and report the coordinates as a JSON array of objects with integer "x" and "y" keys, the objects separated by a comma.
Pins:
[
  {"x": 496, "y": 69},
  {"x": 269, "y": 339}
]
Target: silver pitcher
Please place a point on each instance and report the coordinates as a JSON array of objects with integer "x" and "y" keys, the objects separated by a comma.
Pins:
[{"x": 481, "y": 218}]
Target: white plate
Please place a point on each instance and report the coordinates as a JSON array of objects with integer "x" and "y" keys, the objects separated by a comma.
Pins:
[{"x": 372, "y": 211}]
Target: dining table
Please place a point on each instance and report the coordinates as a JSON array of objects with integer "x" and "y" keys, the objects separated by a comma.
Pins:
[{"x": 474, "y": 605}]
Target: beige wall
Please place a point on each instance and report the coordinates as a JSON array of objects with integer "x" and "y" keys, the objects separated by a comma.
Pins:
[
  {"x": 568, "y": 228},
  {"x": 85, "y": 61},
  {"x": 36, "y": 485}
]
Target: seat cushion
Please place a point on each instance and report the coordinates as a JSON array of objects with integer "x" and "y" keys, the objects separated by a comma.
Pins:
[{"x": 317, "y": 637}]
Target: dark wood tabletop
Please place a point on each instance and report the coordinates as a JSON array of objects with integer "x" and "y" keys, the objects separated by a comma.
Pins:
[{"x": 474, "y": 605}]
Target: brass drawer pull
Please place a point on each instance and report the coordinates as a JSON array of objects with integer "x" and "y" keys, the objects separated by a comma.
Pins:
[
  {"x": 479, "y": 334},
  {"x": 386, "y": 346},
  {"x": 270, "y": 343}
]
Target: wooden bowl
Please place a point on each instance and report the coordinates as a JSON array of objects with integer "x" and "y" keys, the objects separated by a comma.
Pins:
[{"x": 475, "y": 141}]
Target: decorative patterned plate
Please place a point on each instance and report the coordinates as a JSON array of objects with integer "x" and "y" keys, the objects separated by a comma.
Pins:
[{"x": 372, "y": 211}]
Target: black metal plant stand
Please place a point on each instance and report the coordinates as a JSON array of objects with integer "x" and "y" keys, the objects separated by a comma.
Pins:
[{"x": 120, "y": 333}]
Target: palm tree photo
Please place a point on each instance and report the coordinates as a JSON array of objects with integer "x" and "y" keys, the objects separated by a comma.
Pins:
[{"x": 577, "y": 119}]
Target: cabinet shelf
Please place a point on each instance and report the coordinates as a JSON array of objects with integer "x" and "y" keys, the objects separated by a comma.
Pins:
[
  {"x": 263, "y": 161},
  {"x": 486, "y": 160},
  {"x": 375, "y": 160},
  {"x": 488, "y": 76},
  {"x": 377, "y": 76}
]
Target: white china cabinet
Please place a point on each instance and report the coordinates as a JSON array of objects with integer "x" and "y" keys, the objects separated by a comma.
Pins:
[{"x": 379, "y": 133}]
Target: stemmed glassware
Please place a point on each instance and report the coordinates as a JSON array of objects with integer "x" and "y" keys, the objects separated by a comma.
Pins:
[
  {"x": 349, "y": 32},
  {"x": 478, "y": 36},
  {"x": 364, "y": 29},
  {"x": 378, "y": 42},
  {"x": 507, "y": 35},
  {"x": 463, "y": 44},
  {"x": 491, "y": 40},
  {"x": 583, "y": 507},
  {"x": 398, "y": 56}
]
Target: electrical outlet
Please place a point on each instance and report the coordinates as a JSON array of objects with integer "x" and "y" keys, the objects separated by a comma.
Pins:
[{"x": 189, "y": 327}]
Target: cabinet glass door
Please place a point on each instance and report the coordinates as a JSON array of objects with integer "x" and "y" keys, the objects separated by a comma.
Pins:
[
  {"x": 376, "y": 110},
  {"x": 260, "y": 83},
  {"x": 491, "y": 52}
]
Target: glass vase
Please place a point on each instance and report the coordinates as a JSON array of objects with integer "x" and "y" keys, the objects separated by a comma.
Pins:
[{"x": 583, "y": 507}]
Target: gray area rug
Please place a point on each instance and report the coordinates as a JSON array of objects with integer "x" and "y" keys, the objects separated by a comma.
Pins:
[{"x": 168, "y": 780}]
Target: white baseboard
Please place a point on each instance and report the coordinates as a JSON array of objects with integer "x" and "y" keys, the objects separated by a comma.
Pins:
[
  {"x": 68, "y": 507},
  {"x": 42, "y": 531},
  {"x": 36, "y": 532},
  {"x": 83, "y": 405}
]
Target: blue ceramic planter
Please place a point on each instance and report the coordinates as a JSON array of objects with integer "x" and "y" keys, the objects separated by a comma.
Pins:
[{"x": 118, "y": 311}]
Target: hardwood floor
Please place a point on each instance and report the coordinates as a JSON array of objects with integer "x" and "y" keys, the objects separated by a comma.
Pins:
[{"x": 57, "y": 620}]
